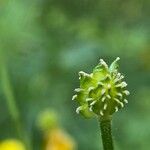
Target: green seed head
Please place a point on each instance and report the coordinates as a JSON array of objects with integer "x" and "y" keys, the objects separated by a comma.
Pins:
[{"x": 102, "y": 92}]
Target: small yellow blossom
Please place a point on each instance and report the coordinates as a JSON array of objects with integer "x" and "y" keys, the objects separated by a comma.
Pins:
[
  {"x": 11, "y": 144},
  {"x": 57, "y": 139}
]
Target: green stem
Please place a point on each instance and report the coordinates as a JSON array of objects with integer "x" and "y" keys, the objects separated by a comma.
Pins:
[
  {"x": 10, "y": 100},
  {"x": 106, "y": 133}
]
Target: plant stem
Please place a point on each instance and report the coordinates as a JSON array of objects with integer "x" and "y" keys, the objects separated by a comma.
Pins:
[
  {"x": 10, "y": 100},
  {"x": 106, "y": 133}
]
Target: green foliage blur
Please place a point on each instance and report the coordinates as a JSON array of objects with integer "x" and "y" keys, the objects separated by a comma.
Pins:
[{"x": 43, "y": 45}]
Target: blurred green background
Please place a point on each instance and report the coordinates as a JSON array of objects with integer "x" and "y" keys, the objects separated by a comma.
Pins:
[{"x": 43, "y": 45}]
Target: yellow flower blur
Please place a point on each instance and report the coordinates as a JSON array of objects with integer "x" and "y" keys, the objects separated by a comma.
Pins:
[
  {"x": 59, "y": 140},
  {"x": 11, "y": 144}
]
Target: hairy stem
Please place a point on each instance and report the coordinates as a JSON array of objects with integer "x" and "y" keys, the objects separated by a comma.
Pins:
[{"x": 106, "y": 133}]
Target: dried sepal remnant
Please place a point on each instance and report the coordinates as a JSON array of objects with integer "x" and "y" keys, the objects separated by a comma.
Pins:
[{"x": 102, "y": 92}]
